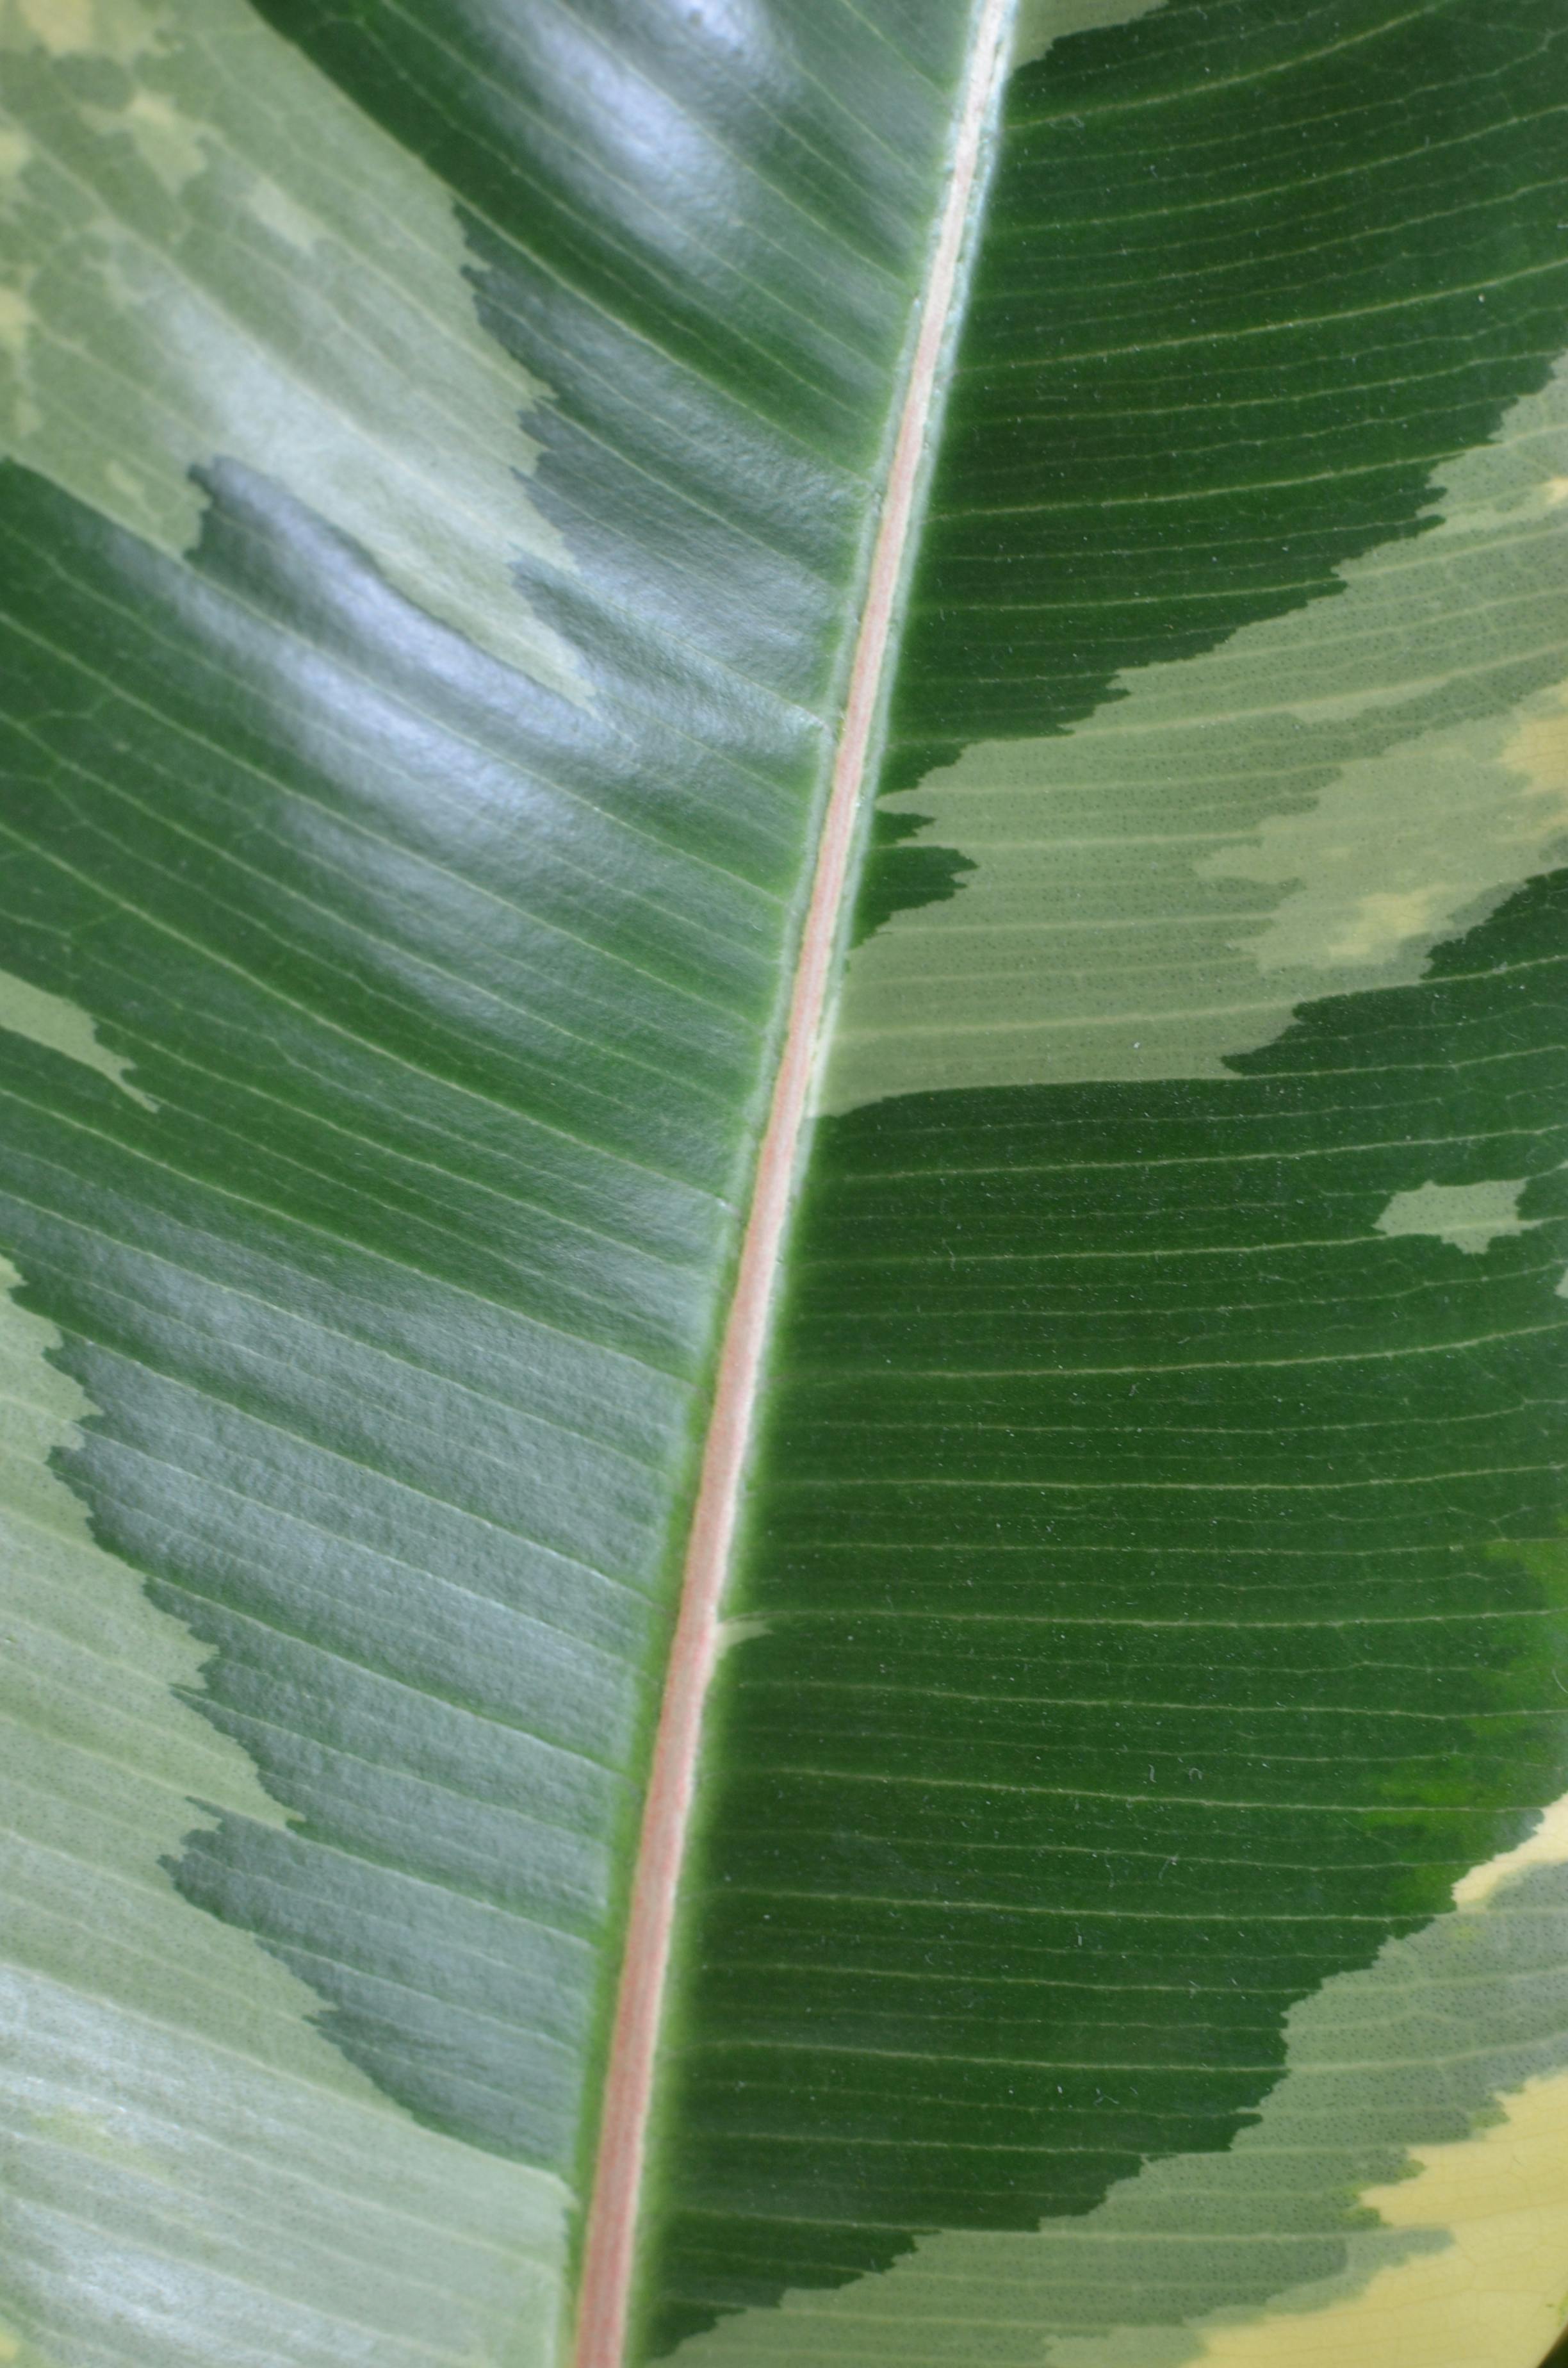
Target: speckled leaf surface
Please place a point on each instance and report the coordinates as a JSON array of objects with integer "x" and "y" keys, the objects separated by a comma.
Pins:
[{"x": 1125, "y": 1922}]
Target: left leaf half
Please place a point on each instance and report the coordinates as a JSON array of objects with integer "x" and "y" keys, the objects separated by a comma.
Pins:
[{"x": 442, "y": 442}]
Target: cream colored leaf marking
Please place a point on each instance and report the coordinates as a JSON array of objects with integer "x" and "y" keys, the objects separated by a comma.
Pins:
[
  {"x": 1041, "y": 22},
  {"x": 1302, "y": 811},
  {"x": 1415, "y": 2152},
  {"x": 1492, "y": 2298},
  {"x": 1546, "y": 1846},
  {"x": 52, "y": 1020},
  {"x": 1469, "y": 1217},
  {"x": 172, "y": 2090},
  {"x": 209, "y": 253}
]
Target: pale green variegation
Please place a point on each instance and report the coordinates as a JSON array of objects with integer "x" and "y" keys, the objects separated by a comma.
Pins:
[
  {"x": 208, "y": 251},
  {"x": 1375, "y": 769},
  {"x": 187, "y": 2161},
  {"x": 1235, "y": 2255},
  {"x": 1041, "y": 22},
  {"x": 54, "y": 1020},
  {"x": 1469, "y": 1217}
]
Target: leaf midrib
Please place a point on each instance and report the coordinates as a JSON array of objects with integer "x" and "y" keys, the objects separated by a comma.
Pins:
[{"x": 608, "y": 2263}]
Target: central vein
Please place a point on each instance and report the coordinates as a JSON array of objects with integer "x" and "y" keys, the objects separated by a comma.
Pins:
[{"x": 609, "y": 2250}]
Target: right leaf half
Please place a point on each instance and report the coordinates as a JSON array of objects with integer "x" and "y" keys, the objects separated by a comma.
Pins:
[{"x": 1123, "y": 1930}]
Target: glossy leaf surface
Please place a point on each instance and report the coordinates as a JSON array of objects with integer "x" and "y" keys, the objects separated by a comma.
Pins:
[{"x": 1120, "y": 1927}]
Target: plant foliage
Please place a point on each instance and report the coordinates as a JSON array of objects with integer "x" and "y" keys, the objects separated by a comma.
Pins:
[{"x": 1126, "y": 1920}]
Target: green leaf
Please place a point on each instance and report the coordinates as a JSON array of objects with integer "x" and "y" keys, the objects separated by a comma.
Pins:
[{"x": 497, "y": 489}]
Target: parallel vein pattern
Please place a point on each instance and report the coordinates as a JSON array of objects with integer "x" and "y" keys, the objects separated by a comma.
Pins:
[
  {"x": 1154, "y": 1603},
  {"x": 444, "y": 443},
  {"x": 1153, "y": 1623},
  {"x": 446, "y": 438}
]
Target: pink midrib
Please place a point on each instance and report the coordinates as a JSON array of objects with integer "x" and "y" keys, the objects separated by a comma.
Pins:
[{"x": 610, "y": 2249}]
